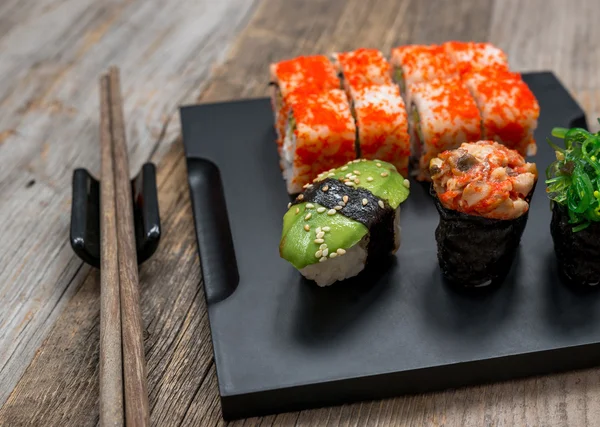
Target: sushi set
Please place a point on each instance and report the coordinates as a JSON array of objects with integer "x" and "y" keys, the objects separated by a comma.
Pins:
[{"x": 384, "y": 227}]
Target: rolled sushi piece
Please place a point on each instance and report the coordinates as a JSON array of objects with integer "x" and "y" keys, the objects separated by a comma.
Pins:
[
  {"x": 382, "y": 125},
  {"x": 472, "y": 57},
  {"x": 509, "y": 110},
  {"x": 482, "y": 192},
  {"x": 348, "y": 217},
  {"x": 362, "y": 67},
  {"x": 420, "y": 63},
  {"x": 320, "y": 135},
  {"x": 442, "y": 115},
  {"x": 573, "y": 186},
  {"x": 314, "y": 74}
]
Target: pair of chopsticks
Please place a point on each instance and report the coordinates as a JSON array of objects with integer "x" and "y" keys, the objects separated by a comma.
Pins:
[{"x": 123, "y": 386}]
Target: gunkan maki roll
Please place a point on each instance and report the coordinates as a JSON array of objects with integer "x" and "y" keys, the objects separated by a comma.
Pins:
[
  {"x": 482, "y": 192},
  {"x": 347, "y": 217},
  {"x": 573, "y": 186}
]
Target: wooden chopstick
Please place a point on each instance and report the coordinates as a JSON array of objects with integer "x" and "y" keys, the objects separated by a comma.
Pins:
[
  {"x": 134, "y": 364},
  {"x": 111, "y": 370}
]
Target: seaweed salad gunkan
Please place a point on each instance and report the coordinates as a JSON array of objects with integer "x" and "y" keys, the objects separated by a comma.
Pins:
[{"x": 573, "y": 186}]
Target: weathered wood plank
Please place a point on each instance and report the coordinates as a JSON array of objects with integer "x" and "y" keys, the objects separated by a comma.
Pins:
[{"x": 52, "y": 54}]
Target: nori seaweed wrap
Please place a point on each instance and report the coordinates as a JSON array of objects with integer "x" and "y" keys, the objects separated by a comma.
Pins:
[
  {"x": 574, "y": 187},
  {"x": 482, "y": 192}
]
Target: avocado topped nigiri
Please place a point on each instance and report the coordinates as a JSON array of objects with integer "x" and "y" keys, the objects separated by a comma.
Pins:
[{"x": 345, "y": 216}]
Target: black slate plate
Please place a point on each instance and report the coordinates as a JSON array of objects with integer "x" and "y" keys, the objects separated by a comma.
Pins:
[{"x": 281, "y": 343}]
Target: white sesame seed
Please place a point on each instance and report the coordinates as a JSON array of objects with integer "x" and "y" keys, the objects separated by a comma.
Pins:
[
  {"x": 323, "y": 259},
  {"x": 307, "y": 227},
  {"x": 318, "y": 254},
  {"x": 308, "y": 215},
  {"x": 378, "y": 165},
  {"x": 364, "y": 202},
  {"x": 325, "y": 252},
  {"x": 326, "y": 228},
  {"x": 325, "y": 188},
  {"x": 348, "y": 175},
  {"x": 341, "y": 251},
  {"x": 320, "y": 235},
  {"x": 310, "y": 206},
  {"x": 323, "y": 246},
  {"x": 357, "y": 181},
  {"x": 352, "y": 177},
  {"x": 337, "y": 208},
  {"x": 297, "y": 210},
  {"x": 363, "y": 160},
  {"x": 331, "y": 170},
  {"x": 333, "y": 255},
  {"x": 384, "y": 174},
  {"x": 289, "y": 205},
  {"x": 356, "y": 161},
  {"x": 321, "y": 210},
  {"x": 343, "y": 168},
  {"x": 356, "y": 172},
  {"x": 317, "y": 241},
  {"x": 406, "y": 183},
  {"x": 381, "y": 205},
  {"x": 301, "y": 196},
  {"x": 349, "y": 183},
  {"x": 345, "y": 199},
  {"x": 318, "y": 230},
  {"x": 306, "y": 185},
  {"x": 331, "y": 212},
  {"x": 330, "y": 174},
  {"x": 370, "y": 178}
]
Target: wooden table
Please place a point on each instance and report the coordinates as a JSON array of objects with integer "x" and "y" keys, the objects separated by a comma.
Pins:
[{"x": 182, "y": 51}]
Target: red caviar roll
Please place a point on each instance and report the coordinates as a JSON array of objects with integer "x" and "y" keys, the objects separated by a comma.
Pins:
[
  {"x": 304, "y": 73},
  {"x": 420, "y": 63},
  {"x": 382, "y": 125},
  {"x": 471, "y": 57},
  {"x": 509, "y": 109},
  {"x": 443, "y": 115},
  {"x": 320, "y": 135},
  {"x": 362, "y": 67}
]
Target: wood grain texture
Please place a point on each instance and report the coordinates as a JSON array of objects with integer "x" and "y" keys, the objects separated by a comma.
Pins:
[
  {"x": 110, "y": 364},
  {"x": 51, "y": 55},
  {"x": 60, "y": 385},
  {"x": 135, "y": 383}
]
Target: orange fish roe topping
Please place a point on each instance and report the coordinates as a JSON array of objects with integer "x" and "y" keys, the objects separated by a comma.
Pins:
[
  {"x": 472, "y": 56},
  {"x": 310, "y": 72},
  {"x": 325, "y": 133},
  {"x": 364, "y": 67},
  {"x": 423, "y": 62},
  {"x": 509, "y": 108},
  {"x": 383, "y": 125},
  {"x": 448, "y": 116},
  {"x": 484, "y": 178}
]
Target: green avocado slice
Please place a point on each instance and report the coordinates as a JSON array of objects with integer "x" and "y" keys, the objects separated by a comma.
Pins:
[
  {"x": 298, "y": 245},
  {"x": 390, "y": 186}
]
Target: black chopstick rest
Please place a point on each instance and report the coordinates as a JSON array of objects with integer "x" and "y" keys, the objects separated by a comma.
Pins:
[{"x": 85, "y": 215}]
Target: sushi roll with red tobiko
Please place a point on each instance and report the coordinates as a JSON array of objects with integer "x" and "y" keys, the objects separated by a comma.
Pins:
[
  {"x": 482, "y": 192},
  {"x": 573, "y": 182}
]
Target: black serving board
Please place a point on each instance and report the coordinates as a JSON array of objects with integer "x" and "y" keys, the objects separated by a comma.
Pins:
[{"x": 281, "y": 343}]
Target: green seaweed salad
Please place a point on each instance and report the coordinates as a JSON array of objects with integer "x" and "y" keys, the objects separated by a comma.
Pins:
[{"x": 573, "y": 179}]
